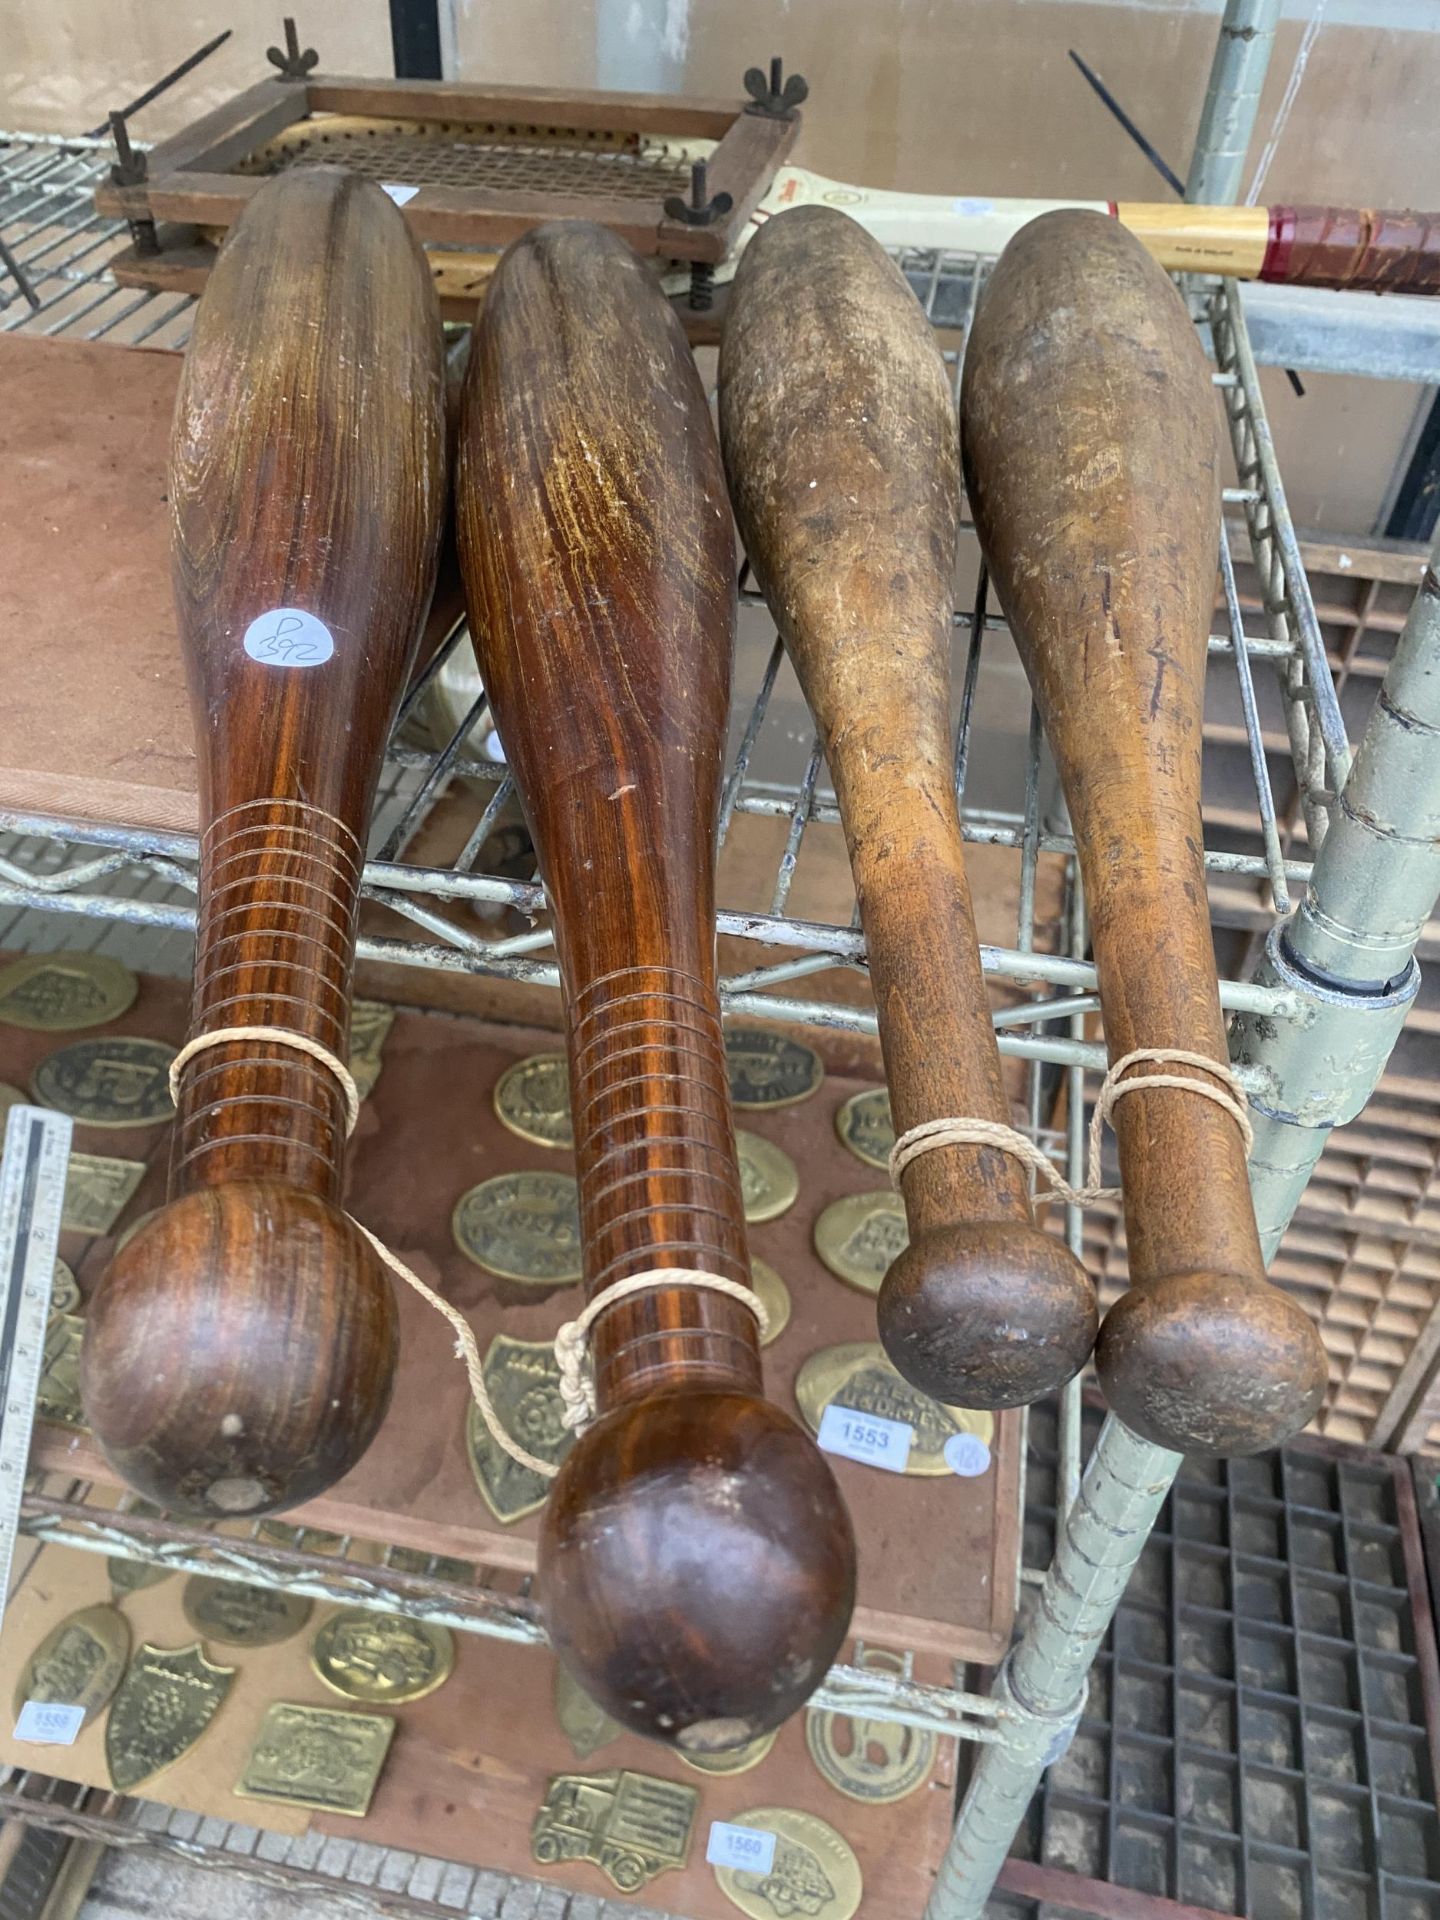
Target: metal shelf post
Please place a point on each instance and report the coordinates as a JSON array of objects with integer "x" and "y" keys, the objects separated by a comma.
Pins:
[
  {"x": 1349, "y": 952},
  {"x": 1232, "y": 101}
]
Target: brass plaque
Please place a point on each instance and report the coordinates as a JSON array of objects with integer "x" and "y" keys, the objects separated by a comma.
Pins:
[
  {"x": 814, "y": 1871},
  {"x": 630, "y": 1825},
  {"x": 114, "y": 1082},
  {"x": 167, "y": 1699},
  {"x": 381, "y": 1658},
  {"x": 769, "y": 1182},
  {"x": 133, "y": 1576},
  {"x": 59, "y": 1397},
  {"x": 62, "y": 992},
  {"x": 370, "y": 1024},
  {"x": 321, "y": 1757},
  {"x": 365, "y": 1071},
  {"x": 64, "y": 1290},
  {"x": 866, "y": 1756},
  {"x": 858, "y": 1237},
  {"x": 866, "y": 1128},
  {"x": 736, "y": 1760},
  {"x": 238, "y": 1615},
  {"x": 522, "y": 1226},
  {"x": 79, "y": 1663},
  {"x": 769, "y": 1069},
  {"x": 532, "y": 1098},
  {"x": 588, "y": 1727},
  {"x": 858, "y": 1375},
  {"x": 523, "y": 1381},
  {"x": 97, "y": 1191},
  {"x": 774, "y": 1297}
]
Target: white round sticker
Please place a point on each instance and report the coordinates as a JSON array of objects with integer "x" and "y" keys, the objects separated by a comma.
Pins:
[
  {"x": 967, "y": 1455},
  {"x": 288, "y": 637}
]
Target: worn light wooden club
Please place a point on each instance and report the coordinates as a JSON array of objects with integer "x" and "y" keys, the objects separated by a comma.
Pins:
[
  {"x": 239, "y": 1353},
  {"x": 696, "y": 1559},
  {"x": 1091, "y": 451},
  {"x": 839, "y": 434}
]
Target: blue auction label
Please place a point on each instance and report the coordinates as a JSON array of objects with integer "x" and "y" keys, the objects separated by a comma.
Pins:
[
  {"x": 750, "y": 1849},
  {"x": 866, "y": 1437},
  {"x": 967, "y": 1455},
  {"x": 288, "y": 637}
]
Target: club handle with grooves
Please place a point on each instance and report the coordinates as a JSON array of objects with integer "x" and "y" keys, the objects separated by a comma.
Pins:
[
  {"x": 275, "y": 948},
  {"x": 655, "y": 1151},
  {"x": 1091, "y": 450},
  {"x": 839, "y": 433},
  {"x": 696, "y": 1560},
  {"x": 239, "y": 1352}
]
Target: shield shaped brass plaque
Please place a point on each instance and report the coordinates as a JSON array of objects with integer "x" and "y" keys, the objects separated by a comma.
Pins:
[
  {"x": 523, "y": 1381},
  {"x": 167, "y": 1699}
]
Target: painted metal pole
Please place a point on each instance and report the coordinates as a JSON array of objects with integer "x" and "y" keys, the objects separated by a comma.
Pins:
[
  {"x": 1041, "y": 1685},
  {"x": 1349, "y": 950},
  {"x": 1232, "y": 101}
]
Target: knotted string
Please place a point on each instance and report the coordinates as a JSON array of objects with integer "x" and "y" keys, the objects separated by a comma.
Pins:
[
  {"x": 577, "y": 1387},
  {"x": 1229, "y": 1095}
]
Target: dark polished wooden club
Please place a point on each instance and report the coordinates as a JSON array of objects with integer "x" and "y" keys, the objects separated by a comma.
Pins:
[
  {"x": 839, "y": 433},
  {"x": 239, "y": 1353},
  {"x": 696, "y": 1559},
  {"x": 1091, "y": 447}
]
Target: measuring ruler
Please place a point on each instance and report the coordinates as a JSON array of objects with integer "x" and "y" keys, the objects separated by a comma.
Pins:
[{"x": 32, "y": 1193}]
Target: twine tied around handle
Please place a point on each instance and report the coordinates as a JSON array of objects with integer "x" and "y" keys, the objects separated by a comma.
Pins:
[
  {"x": 280, "y": 1037},
  {"x": 577, "y": 1388},
  {"x": 1229, "y": 1096}
]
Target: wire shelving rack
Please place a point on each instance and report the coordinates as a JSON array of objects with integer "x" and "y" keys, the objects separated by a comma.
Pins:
[{"x": 112, "y": 876}]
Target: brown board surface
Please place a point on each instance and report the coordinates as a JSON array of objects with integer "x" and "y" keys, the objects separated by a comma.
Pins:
[
  {"x": 95, "y": 724},
  {"x": 937, "y": 1556}
]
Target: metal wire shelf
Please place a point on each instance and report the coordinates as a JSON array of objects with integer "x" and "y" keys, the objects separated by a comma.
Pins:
[{"x": 425, "y": 1587}]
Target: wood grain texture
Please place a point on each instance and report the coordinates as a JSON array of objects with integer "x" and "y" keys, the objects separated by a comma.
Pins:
[
  {"x": 240, "y": 1352},
  {"x": 540, "y": 110},
  {"x": 455, "y": 216},
  {"x": 1092, "y": 466},
  {"x": 840, "y": 446},
  {"x": 697, "y": 1563}
]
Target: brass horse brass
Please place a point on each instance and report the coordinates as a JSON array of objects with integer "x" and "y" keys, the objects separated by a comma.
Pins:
[{"x": 630, "y": 1825}]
